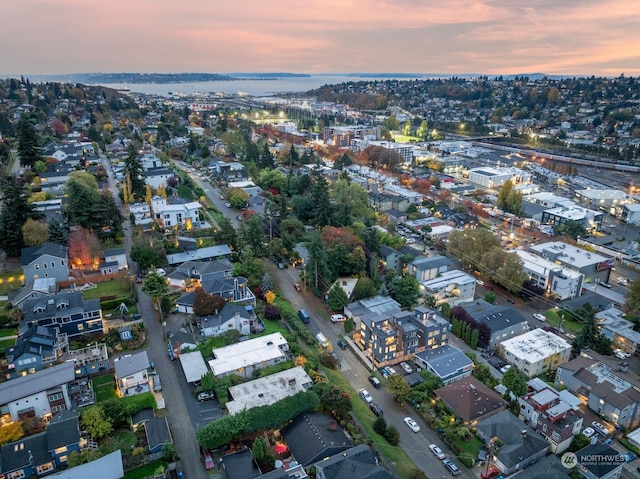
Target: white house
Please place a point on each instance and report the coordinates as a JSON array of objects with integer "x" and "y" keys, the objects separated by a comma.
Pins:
[
  {"x": 132, "y": 374},
  {"x": 536, "y": 351},
  {"x": 157, "y": 177},
  {"x": 245, "y": 357},
  {"x": 117, "y": 255},
  {"x": 141, "y": 213},
  {"x": 183, "y": 213},
  {"x": 562, "y": 282}
]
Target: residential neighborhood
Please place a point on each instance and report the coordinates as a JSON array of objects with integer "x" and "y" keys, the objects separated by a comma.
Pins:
[{"x": 210, "y": 286}]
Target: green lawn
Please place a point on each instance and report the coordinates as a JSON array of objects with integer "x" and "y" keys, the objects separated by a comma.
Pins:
[
  {"x": 126, "y": 438},
  {"x": 105, "y": 387},
  {"x": 6, "y": 343},
  {"x": 394, "y": 454},
  {"x": 469, "y": 448},
  {"x": 568, "y": 325},
  {"x": 145, "y": 471},
  {"x": 272, "y": 326},
  {"x": 8, "y": 332},
  {"x": 114, "y": 287},
  {"x": 10, "y": 280}
]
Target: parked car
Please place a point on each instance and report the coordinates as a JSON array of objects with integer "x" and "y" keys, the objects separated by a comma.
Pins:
[
  {"x": 206, "y": 396},
  {"x": 376, "y": 409},
  {"x": 341, "y": 344},
  {"x": 391, "y": 371},
  {"x": 505, "y": 368},
  {"x": 437, "y": 451},
  {"x": 451, "y": 467},
  {"x": 621, "y": 354},
  {"x": 338, "y": 318},
  {"x": 587, "y": 431},
  {"x": 366, "y": 397},
  {"x": 407, "y": 369},
  {"x": 511, "y": 301},
  {"x": 480, "y": 282},
  {"x": 228, "y": 205},
  {"x": 303, "y": 314},
  {"x": 208, "y": 460},
  {"x": 539, "y": 317},
  {"x": 490, "y": 473},
  {"x": 157, "y": 384},
  {"x": 629, "y": 456},
  {"x": 374, "y": 381},
  {"x": 412, "y": 424},
  {"x": 606, "y": 285},
  {"x": 297, "y": 287},
  {"x": 599, "y": 427}
]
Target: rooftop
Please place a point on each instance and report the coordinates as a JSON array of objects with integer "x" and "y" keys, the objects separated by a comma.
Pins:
[
  {"x": 566, "y": 253},
  {"x": 535, "y": 345},
  {"x": 470, "y": 399},
  {"x": 37, "y": 382},
  {"x": 131, "y": 363},
  {"x": 573, "y": 213},
  {"x": 445, "y": 360},
  {"x": 247, "y": 353}
]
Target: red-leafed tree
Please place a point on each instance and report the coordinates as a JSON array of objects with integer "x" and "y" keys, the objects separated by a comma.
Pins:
[
  {"x": 205, "y": 304},
  {"x": 332, "y": 236},
  {"x": 422, "y": 186},
  {"x": 85, "y": 249}
]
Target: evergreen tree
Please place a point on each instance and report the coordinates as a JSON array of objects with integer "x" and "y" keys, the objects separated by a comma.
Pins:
[
  {"x": 253, "y": 236},
  {"x": 16, "y": 210},
  {"x": 338, "y": 299},
  {"x": 226, "y": 233},
  {"x": 28, "y": 144},
  {"x": 316, "y": 268},
  {"x": 57, "y": 232},
  {"x": 322, "y": 208},
  {"x": 474, "y": 339},
  {"x": 265, "y": 158},
  {"x": 133, "y": 168}
]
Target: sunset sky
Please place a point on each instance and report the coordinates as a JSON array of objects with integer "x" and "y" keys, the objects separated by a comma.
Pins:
[{"x": 570, "y": 37}]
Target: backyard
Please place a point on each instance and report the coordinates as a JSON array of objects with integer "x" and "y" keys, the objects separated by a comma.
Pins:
[
  {"x": 104, "y": 387},
  {"x": 10, "y": 280}
]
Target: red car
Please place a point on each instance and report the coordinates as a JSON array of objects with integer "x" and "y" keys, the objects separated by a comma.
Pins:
[
  {"x": 297, "y": 287},
  {"x": 493, "y": 471}
]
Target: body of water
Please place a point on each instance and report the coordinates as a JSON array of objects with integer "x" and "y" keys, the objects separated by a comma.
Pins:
[{"x": 250, "y": 86}]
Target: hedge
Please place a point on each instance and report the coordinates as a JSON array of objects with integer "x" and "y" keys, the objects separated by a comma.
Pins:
[{"x": 229, "y": 428}]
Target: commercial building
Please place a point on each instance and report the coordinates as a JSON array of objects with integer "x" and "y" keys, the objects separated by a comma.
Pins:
[
  {"x": 556, "y": 280},
  {"x": 494, "y": 178},
  {"x": 590, "y": 220},
  {"x": 595, "y": 268},
  {"x": 609, "y": 201},
  {"x": 630, "y": 213},
  {"x": 536, "y": 351}
]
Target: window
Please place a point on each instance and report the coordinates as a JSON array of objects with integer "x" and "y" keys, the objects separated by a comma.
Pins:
[
  {"x": 44, "y": 468},
  {"x": 16, "y": 475},
  {"x": 44, "y": 265},
  {"x": 53, "y": 265},
  {"x": 55, "y": 397},
  {"x": 36, "y": 266},
  {"x": 60, "y": 407},
  {"x": 62, "y": 458},
  {"x": 80, "y": 327},
  {"x": 62, "y": 263},
  {"x": 61, "y": 450}
]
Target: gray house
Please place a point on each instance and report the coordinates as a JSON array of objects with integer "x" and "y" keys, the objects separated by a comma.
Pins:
[
  {"x": 505, "y": 322},
  {"x": 49, "y": 260},
  {"x": 445, "y": 362},
  {"x": 38, "y": 347},
  {"x": 231, "y": 316},
  {"x": 359, "y": 461},
  {"x": 521, "y": 445},
  {"x": 424, "y": 269},
  {"x": 592, "y": 468}
]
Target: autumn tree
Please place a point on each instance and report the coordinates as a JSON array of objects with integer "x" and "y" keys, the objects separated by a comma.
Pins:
[
  {"x": 85, "y": 248},
  {"x": 35, "y": 232},
  {"x": 10, "y": 433}
]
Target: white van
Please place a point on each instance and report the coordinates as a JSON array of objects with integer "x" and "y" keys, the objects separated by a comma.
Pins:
[{"x": 322, "y": 339}]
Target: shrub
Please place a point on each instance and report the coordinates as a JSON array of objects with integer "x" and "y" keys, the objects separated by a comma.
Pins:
[
  {"x": 380, "y": 425},
  {"x": 392, "y": 435}
]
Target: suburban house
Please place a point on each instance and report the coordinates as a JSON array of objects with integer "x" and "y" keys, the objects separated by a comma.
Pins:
[
  {"x": 359, "y": 461},
  {"x": 210, "y": 253},
  {"x": 141, "y": 213},
  {"x": 515, "y": 445},
  {"x": 178, "y": 213},
  {"x": 42, "y": 453},
  {"x": 117, "y": 255},
  {"x": 132, "y": 374},
  {"x": 41, "y": 394},
  {"x": 536, "y": 352},
  {"x": 230, "y": 317},
  {"x": 445, "y": 362},
  {"x": 37, "y": 348},
  {"x": 590, "y": 467},
  {"x": 553, "y": 418},
  {"x": 313, "y": 436},
  {"x": 157, "y": 177},
  {"x": 49, "y": 260},
  {"x": 391, "y": 259},
  {"x": 425, "y": 269},
  {"x": 504, "y": 321},
  {"x": 389, "y": 339},
  {"x": 245, "y": 357},
  {"x": 268, "y": 390},
  {"x": 235, "y": 290},
  {"x": 471, "y": 400},
  {"x": 40, "y": 287},
  {"x": 67, "y": 311},
  {"x": 613, "y": 395},
  {"x": 451, "y": 287},
  {"x": 191, "y": 274}
]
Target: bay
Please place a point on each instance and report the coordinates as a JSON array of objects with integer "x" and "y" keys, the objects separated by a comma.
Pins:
[{"x": 252, "y": 87}]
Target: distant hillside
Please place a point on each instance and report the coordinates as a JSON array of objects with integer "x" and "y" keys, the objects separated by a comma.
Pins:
[{"x": 132, "y": 78}]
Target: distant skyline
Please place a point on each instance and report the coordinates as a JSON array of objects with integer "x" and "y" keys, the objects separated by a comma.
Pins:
[{"x": 493, "y": 37}]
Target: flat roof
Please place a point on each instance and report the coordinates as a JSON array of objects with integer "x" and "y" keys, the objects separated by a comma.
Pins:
[
  {"x": 453, "y": 277},
  {"x": 247, "y": 353},
  {"x": 572, "y": 213},
  {"x": 604, "y": 194},
  {"x": 535, "y": 345},
  {"x": 568, "y": 253},
  {"x": 268, "y": 390}
]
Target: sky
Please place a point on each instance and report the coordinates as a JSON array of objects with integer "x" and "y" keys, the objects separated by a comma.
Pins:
[{"x": 560, "y": 37}]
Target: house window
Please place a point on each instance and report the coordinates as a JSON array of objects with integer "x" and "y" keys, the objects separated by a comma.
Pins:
[
  {"x": 53, "y": 265},
  {"x": 16, "y": 475},
  {"x": 44, "y": 265},
  {"x": 44, "y": 468},
  {"x": 61, "y": 450},
  {"x": 80, "y": 327},
  {"x": 37, "y": 266},
  {"x": 60, "y": 407},
  {"x": 62, "y": 458},
  {"x": 55, "y": 397},
  {"x": 62, "y": 263}
]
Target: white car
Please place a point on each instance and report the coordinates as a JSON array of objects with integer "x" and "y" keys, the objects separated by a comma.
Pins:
[
  {"x": 412, "y": 424},
  {"x": 620, "y": 354},
  {"x": 539, "y": 317},
  {"x": 366, "y": 397},
  {"x": 436, "y": 451},
  {"x": 621, "y": 280},
  {"x": 338, "y": 318},
  {"x": 505, "y": 368},
  {"x": 480, "y": 282},
  {"x": 587, "y": 431},
  {"x": 407, "y": 369}
]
